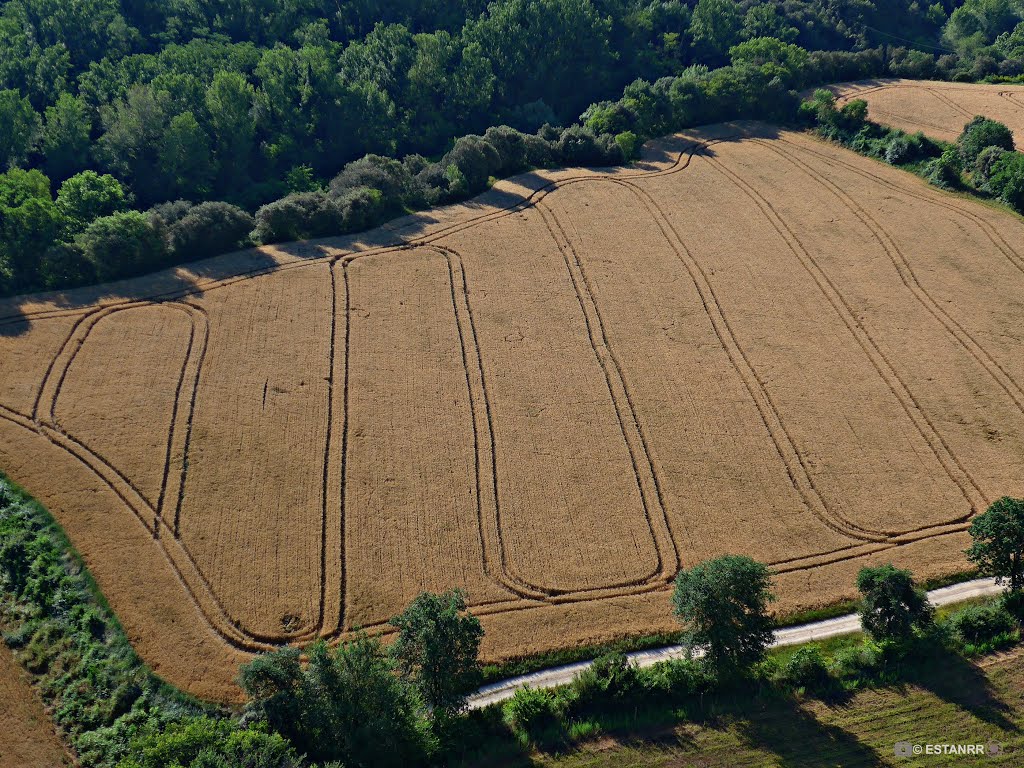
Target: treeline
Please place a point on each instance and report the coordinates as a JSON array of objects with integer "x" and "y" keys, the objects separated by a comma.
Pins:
[
  {"x": 364, "y": 705},
  {"x": 249, "y": 103}
]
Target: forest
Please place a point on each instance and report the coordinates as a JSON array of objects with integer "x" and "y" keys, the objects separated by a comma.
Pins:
[{"x": 118, "y": 118}]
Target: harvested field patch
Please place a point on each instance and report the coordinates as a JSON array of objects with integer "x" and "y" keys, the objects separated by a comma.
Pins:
[
  {"x": 553, "y": 397},
  {"x": 938, "y": 109},
  {"x": 28, "y": 739}
]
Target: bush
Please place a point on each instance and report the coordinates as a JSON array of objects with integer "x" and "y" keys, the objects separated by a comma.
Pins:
[
  {"x": 63, "y": 265},
  {"x": 386, "y": 175},
  {"x": 476, "y": 159},
  {"x": 981, "y": 133},
  {"x": 610, "y": 678},
  {"x": 903, "y": 149},
  {"x": 984, "y": 167},
  {"x": 125, "y": 244},
  {"x": 209, "y": 229},
  {"x": 944, "y": 171},
  {"x": 531, "y": 713},
  {"x": 978, "y": 624},
  {"x": 1007, "y": 180},
  {"x": 629, "y": 143},
  {"x": 299, "y": 216},
  {"x": 678, "y": 679},
  {"x": 88, "y": 196},
  {"x": 807, "y": 669},
  {"x": 510, "y": 145}
]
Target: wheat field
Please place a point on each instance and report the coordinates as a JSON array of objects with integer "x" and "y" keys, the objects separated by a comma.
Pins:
[
  {"x": 554, "y": 397},
  {"x": 938, "y": 109}
]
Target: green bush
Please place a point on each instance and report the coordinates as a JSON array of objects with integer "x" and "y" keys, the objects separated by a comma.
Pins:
[
  {"x": 980, "y": 134},
  {"x": 611, "y": 677},
  {"x": 1007, "y": 180},
  {"x": 944, "y": 171},
  {"x": 125, "y": 244},
  {"x": 979, "y": 624},
  {"x": 807, "y": 668},
  {"x": 678, "y": 679},
  {"x": 532, "y": 714}
]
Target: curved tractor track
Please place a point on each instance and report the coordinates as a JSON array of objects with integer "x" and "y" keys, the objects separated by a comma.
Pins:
[{"x": 431, "y": 412}]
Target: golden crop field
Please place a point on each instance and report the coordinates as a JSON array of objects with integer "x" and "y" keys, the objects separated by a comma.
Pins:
[
  {"x": 553, "y": 396},
  {"x": 938, "y": 109},
  {"x": 29, "y": 740}
]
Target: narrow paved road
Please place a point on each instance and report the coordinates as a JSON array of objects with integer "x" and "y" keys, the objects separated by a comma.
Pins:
[{"x": 804, "y": 633}]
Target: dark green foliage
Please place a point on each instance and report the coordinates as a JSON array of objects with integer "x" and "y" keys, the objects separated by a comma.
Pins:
[
  {"x": 254, "y": 103},
  {"x": 437, "y": 648},
  {"x": 87, "y": 196},
  {"x": 207, "y": 742},
  {"x": 891, "y": 607},
  {"x": 125, "y": 244},
  {"x": 985, "y": 166},
  {"x": 998, "y": 548},
  {"x": 979, "y": 624},
  {"x": 209, "y": 229},
  {"x": 1006, "y": 179},
  {"x": 724, "y": 605},
  {"x": 532, "y": 713},
  {"x": 346, "y": 704},
  {"x": 944, "y": 171},
  {"x": 63, "y": 265},
  {"x": 807, "y": 669},
  {"x": 610, "y": 679},
  {"x": 981, "y": 133}
]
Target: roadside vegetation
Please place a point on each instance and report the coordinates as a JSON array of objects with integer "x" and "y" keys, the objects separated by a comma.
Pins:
[
  {"x": 142, "y": 135},
  {"x": 364, "y": 705}
]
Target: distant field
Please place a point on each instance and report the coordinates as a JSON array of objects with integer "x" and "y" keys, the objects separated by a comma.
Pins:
[
  {"x": 938, "y": 109},
  {"x": 28, "y": 739},
  {"x": 553, "y": 396}
]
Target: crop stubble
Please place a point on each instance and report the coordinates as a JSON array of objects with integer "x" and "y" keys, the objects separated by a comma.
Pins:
[{"x": 771, "y": 347}]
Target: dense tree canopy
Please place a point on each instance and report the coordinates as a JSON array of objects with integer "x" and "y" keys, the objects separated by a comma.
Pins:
[{"x": 249, "y": 102}]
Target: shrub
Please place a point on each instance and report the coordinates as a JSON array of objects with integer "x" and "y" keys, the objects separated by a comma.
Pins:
[
  {"x": 981, "y": 133},
  {"x": 984, "y": 167},
  {"x": 944, "y": 171},
  {"x": 510, "y": 145},
  {"x": 386, "y": 175},
  {"x": 979, "y": 624},
  {"x": 476, "y": 159},
  {"x": 1007, "y": 180},
  {"x": 299, "y": 216},
  {"x": 539, "y": 151},
  {"x": 806, "y": 668},
  {"x": 611, "y": 677},
  {"x": 901, "y": 149},
  {"x": 532, "y": 714},
  {"x": 63, "y": 265},
  {"x": 209, "y": 229},
  {"x": 171, "y": 211},
  {"x": 629, "y": 143},
  {"x": 125, "y": 244},
  {"x": 677, "y": 679}
]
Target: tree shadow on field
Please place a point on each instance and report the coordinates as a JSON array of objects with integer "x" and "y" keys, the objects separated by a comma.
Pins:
[
  {"x": 778, "y": 724},
  {"x": 957, "y": 681}
]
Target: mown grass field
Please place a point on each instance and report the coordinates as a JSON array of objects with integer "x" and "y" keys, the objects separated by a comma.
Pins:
[{"x": 957, "y": 703}]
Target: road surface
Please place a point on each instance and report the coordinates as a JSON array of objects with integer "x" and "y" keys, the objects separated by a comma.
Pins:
[{"x": 803, "y": 633}]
